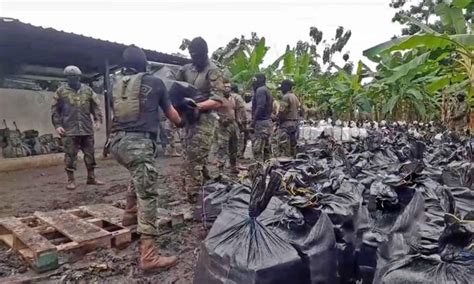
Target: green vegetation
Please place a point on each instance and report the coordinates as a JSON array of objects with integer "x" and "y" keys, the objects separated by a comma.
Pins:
[{"x": 415, "y": 77}]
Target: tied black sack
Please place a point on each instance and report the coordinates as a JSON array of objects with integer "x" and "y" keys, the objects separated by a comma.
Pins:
[
  {"x": 240, "y": 248},
  {"x": 183, "y": 96}
]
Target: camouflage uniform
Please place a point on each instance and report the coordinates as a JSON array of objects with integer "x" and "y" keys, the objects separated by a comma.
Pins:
[
  {"x": 72, "y": 111},
  {"x": 262, "y": 108},
  {"x": 288, "y": 126},
  {"x": 136, "y": 152},
  {"x": 261, "y": 147},
  {"x": 459, "y": 115},
  {"x": 245, "y": 133},
  {"x": 167, "y": 134},
  {"x": 274, "y": 138},
  {"x": 241, "y": 119},
  {"x": 199, "y": 136},
  {"x": 227, "y": 132},
  {"x": 136, "y": 104}
]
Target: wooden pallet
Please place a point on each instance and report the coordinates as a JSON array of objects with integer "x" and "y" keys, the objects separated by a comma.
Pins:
[{"x": 39, "y": 238}]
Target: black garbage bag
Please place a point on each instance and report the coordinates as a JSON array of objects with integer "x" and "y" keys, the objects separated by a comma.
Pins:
[
  {"x": 459, "y": 174},
  {"x": 210, "y": 199},
  {"x": 393, "y": 215},
  {"x": 214, "y": 196},
  {"x": 463, "y": 199},
  {"x": 342, "y": 207},
  {"x": 178, "y": 92},
  {"x": 454, "y": 262},
  {"x": 242, "y": 249},
  {"x": 318, "y": 251},
  {"x": 311, "y": 234}
]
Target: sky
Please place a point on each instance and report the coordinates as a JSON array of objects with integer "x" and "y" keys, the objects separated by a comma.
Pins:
[{"x": 162, "y": 24}]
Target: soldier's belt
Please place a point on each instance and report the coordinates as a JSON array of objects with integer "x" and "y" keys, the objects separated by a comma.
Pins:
[{"x": 148, "y": 135}]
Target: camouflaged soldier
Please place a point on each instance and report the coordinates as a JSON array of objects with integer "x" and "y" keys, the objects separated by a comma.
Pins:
[
  {"x": 240, "y": 118},
  {"x": 73, "y": 105},
  {"x": 459, "y": 113},
  {"x": 262, "y": 108},
  {"x": 227, "y": 130},
  {"x": 207, "y": 78},
  {"x": 245, "y": 132},
  {"x": 274, "y": 138},
  {"x": 288, "y": 118},
  {"x": 167, "y": 137},
  {"x": 137, "y": 98}
]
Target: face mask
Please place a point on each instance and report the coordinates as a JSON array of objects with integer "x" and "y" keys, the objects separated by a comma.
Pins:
[
  {"x": 247, "y": 99},
  {"x": 74, "y": 82},
  {"x": 199, "y": 60}
]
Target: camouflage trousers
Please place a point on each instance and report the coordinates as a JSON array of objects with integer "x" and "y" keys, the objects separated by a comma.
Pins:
[
  {"x": 167, "y": 134},
  {"x": 198, "y": 141},
  {"x": 72, "y": 145},
  {"x": 227, "y": 144},
  {"x": 136, "y": 152},
  {"x": 286, "y": 136},
  {"x": 261, "y": 146},
  {"x": 244, "y": 137},
  {"x": 458, "y": 125}
]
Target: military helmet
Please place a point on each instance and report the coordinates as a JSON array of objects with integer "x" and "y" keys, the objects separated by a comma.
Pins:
[{"x": 72, "y": 70}]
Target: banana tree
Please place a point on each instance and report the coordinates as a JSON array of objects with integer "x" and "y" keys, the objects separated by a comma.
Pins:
[
  {"x": 246, "y": 63},
  {"x": 461, "y": 44},
  {"x": 350, "y": 95},
  {"x": 457, "y": 68}
]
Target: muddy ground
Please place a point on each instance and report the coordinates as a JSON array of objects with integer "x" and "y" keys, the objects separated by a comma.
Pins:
[{"x": 27, "y": 191}]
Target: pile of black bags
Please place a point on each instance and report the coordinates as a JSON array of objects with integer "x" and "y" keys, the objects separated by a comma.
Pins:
[{"x": 387, "y": 209}]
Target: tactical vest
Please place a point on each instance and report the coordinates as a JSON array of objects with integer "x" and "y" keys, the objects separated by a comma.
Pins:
[{"x": 126, "y": 93}]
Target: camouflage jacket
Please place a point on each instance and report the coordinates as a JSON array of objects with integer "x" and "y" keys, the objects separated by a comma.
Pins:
[
  {"x": 289, "y": 108},
  {"x": 240, "y": 111},
  {"x": 459, "y": 115},
  {"x": 209, "y": 81},
  {"x": 72, "y": 110}
]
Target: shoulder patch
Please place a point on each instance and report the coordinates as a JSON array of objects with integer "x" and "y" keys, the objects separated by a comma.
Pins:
[{"x": 145, "y": 90}]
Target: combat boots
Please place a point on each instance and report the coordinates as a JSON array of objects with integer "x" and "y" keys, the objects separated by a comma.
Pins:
[
  {"x": 91, "y": 178},
  {"x": 130, "y": 216},
  {"x": 71, "y": 185},
  {"x": 150, "y": 258}
]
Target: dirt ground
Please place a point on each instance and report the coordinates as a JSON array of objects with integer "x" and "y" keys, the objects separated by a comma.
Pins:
[{"x": 27, "y": 191}]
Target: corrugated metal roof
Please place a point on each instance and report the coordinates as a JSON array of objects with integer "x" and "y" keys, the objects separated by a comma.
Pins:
[{"x": 22, "y": 43}]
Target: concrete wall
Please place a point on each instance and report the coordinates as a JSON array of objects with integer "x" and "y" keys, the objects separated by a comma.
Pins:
[{"x": 32, "y": 110}]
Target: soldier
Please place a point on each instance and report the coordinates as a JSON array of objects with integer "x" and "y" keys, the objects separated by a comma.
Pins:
[
  {"x": 245, "y": 132},
  {"x": 73, "y": 105},
  {"x": 274, "y": 138},
  {"x": 262, "y": 108},
  {"x": 167, "y": 137},
  {"x": 240, "y": 116},
  {"x": 207, "y": 78},
  {"x": 288, "y": 118},
  {"x": 459, "y": 113},
  {"x": 227, "y": 129},
  {"x": 137, "y": 98}
]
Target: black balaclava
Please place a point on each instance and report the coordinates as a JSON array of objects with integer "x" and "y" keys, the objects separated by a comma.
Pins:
[
  {"x": 286, "y": 86},
  {"x": 198, "y": 51},
  {"x": 461, "y": 97},
  {"x": 248, "y": 98},
  {"x": 258, "y": 81},
  {"x": 74, "y": 82},
  {"x": 234, "y": 88},
  {"x": 134, "y": 60}
]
